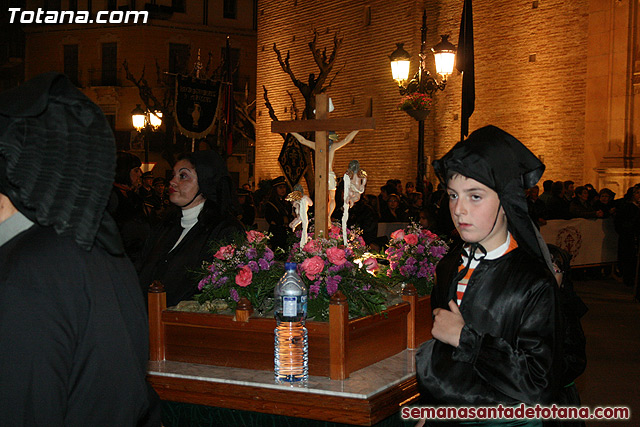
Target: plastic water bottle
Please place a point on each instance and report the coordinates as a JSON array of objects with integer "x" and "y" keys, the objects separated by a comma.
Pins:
[{"x": 291, "y": 352}]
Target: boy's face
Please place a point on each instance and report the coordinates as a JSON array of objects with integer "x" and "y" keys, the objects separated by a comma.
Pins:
[{"x": 476, "y": 212}]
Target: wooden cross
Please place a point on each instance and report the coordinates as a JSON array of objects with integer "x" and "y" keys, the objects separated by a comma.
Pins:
[{"x": 321, "y": 125}]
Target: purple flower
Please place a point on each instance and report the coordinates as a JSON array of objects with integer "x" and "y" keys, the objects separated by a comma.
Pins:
[
  {"x": 332, "y": 288},
  {"x": 438, "y": 251},
  {"x": 366, "y": 287},
  {"x": 252, "y": 253},
  {"x": 314, "y": 290},
  {"x": 420, "y": 249},
  {"x": 203, "y": 282},
  {"x": 268, "y": 254},
  {"x": 408, "y": 270},
  {"x": 263, "y": 263},
  {"x": 253, "y": 266},
  {"x": 334, "y": 268},
  {"x": 234, "y": 295},
  {"x": 221, "y": 281},
  {"x": 411, "y": 261},
  {"x": 332, "y": 284}
]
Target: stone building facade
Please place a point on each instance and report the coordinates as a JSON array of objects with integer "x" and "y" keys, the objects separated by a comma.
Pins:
[
  {"x": 558, "y": 75},
  {"x": 92, "y": 54}
]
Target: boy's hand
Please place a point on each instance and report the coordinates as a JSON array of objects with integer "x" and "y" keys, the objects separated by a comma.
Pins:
[{"x": 447, "y": 325}]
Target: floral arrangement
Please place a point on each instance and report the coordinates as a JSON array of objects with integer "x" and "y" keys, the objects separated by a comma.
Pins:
[
  {"x": 326, "y": 266},
  {"x": 237, "y": 271},
  {"x": 415, "y": 101},
  {"x": 413, "y": 254}
]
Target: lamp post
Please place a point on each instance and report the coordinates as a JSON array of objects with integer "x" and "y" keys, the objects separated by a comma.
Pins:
[
  {"x": 145, "y": 120},
  {"x": 422, "y": 82}
]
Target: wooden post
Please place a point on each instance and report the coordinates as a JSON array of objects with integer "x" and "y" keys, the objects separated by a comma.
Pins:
[
  {"x": 410, "y": 295},
  {"x": 338, "y": 336},
  {"x": 157, "y": 299},
  {"x": 322, "y": 169},
  {"x": 243, "y": 310}
]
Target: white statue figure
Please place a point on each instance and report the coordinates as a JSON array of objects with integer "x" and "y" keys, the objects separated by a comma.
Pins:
[
  {"x": 301, "y": 203},
  {"x": 355, "y": 181},
  {"x": 333, "y": 147}
]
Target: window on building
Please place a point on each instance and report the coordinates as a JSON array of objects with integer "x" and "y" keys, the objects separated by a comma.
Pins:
[
  {"x": 71, "y": 63},
  {"x": 109, "y": 64},
  {"x": 179, "y": 58},
  {"x": 230, "y": 9},
  {"x": 235, "y": 59},
  {"x": 179, "y": 6}
]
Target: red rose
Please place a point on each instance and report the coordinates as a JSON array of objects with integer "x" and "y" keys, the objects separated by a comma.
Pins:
[
  {"x": 225, "y": 252},
  {"x": 411, "y": 239},
  {"x": 312, "y": 267},
  {"x": 312, "y": 246},
  {"x": 336, "y": 256},
  {"x": 244, "y": 277},
  {"x": 398, "y": 235},
  {"x": 253, "y": 235}
]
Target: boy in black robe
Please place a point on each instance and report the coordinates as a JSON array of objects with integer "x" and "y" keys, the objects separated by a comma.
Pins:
[{"x": 496, "y": 328}]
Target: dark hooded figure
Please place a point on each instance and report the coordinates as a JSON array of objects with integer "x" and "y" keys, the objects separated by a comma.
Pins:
[
  {"x": 73, "y": 326},
  {"x": 127, "y": 207},
  {"x": 496, "y": 324},
  {"x": 574, "y": 360},
  {"x": 201, "y": 188}
]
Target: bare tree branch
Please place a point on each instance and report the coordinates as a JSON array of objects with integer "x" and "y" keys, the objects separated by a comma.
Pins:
[
  {"x": 294, "y": 107},
  {"x": 272, "y": 112}
]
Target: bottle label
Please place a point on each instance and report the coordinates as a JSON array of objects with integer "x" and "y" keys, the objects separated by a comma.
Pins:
[{"x": 289, "y": 306}]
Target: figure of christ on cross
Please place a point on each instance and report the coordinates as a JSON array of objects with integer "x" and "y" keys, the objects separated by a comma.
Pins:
[
  {"x": 333, "y": 147},
  {"x": 321, "y": 125}
]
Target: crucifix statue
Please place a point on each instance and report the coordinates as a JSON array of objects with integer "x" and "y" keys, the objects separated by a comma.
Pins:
[
  {"x": 333, "y": 147},
  {"x": 321, "y": 125}
]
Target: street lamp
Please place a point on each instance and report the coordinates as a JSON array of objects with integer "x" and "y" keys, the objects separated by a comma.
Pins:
[
  {"x": 145, "y": 120},
  {"x": 422, "y": 82}
]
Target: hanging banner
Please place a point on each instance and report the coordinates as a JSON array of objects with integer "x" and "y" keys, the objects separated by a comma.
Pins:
[
  {"x": 292, "y": 160},
  {"x": 589, "y": 241},
  {"x": 196, "y": 106}
]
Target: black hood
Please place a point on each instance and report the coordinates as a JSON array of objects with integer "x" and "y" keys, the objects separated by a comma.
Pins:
[
  {"x": 57, "y": 159},
  {"x": 496, "y": 159}
]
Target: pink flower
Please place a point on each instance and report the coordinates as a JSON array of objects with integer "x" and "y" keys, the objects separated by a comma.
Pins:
[
  {"x": 312, "y": 267},
  {"x": 244, "y": 277},
  {"x": 398, "y": 235},
  {"x": 411, "y": 239},
  {"x": 335, "y": 232},
  {"x": 253, "y": 235},
  {"x": 312, "y": 246},
  {"x": 371, "y": 264},
  {"x": 336, "y": 256},
  {"x": 225, "y": 252}
]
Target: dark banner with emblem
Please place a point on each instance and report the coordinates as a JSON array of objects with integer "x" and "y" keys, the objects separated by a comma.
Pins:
[
  {"x": 292, "y": 160},
  {"x": 196, "y": 105}
]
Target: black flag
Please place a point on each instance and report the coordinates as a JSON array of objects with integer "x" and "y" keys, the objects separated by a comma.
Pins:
[{"x": 464, "y": 64}]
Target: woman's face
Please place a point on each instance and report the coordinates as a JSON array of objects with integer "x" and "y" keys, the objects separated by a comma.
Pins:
[
  {"x": 281, "y": 190},
  {"x": 584, "y": 195},
  {"x": 392, "y": 203},
  {"x": 183, "y": 187},
  {"x": 135, "y": 175}
]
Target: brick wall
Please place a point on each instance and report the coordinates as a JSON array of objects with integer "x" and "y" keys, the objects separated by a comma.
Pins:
[{"x": 541, "y": 102}]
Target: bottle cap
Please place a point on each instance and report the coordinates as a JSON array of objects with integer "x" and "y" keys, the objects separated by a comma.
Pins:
[{"x": 288, "y": 266}]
